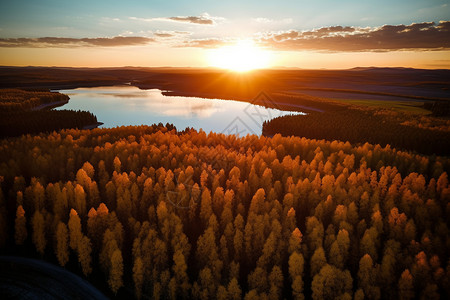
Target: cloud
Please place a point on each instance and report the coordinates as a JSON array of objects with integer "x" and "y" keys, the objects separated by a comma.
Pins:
[
  {"x": 169, "y": 34},
  {"x": 419, "y": 36},
  {"x": 203, "y": 19},
  {"x": 286, "y": 35},
  {"x": 195, "y": 20},
  {"x": 263, "y": 20},
  {"x": 164, "y": 34},
  {"x": 204, "y": 43},
  {"x": 108, "y": 19},
  {"x": 61, "y": 42},
  {"x": 127, "y": 33}
]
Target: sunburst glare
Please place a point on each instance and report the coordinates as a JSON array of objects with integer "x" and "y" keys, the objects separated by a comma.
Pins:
[{"x": 243, "y": 56}]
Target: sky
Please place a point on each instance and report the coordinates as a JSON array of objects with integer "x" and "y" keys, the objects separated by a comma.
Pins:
[{"x": 303, "y": 34}]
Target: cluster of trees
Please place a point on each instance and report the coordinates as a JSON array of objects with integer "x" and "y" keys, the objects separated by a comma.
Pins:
[
  {"x": 13, "y": 100},
  {"x": 366, "y": 125},
  {"x": 18, "y": 123},
  {"x": 427, "y": 122},
  {"x": 19, "y": 113},
  {"x": 160, "y": 213}
]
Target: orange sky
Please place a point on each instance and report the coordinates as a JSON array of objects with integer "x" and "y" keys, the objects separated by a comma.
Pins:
[
  {"x": 295, "y": 33},
  {"x": 195, "y": 57}
]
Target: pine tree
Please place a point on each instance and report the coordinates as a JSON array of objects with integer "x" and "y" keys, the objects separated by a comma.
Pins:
[
  {"x": 116, "y": 272},
  {"x": 75, "y": 234},
  {"x": 296, "y": 267},
  {"x": 38, "y": 236},
  {"x": 205, "y": 206},
  {"x": 318, "y": 260},
  {"x": 367, "y": 276},
  {"x": 138, "y": 276},
  {"x": 20, "y": 233},
  {"x": 89, "y": 169},
  {"x": 276, "y": 283},
  {"x": 331, "y": 283},
  {"x": 234, "y": 290},
  {"x": 295, "y": 241},
  {"x": 80, "y": 200},
  {"x": 405, "y": 286},
  {"x": 117, "y": 164},
  {"x": 84, "y": 255},
  {"x": 62, "y": 244},
  {"x": 180, "y": 273}
]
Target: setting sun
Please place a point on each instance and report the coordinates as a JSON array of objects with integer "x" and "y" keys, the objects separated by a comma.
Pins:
[{"x": 242, "y": 56}]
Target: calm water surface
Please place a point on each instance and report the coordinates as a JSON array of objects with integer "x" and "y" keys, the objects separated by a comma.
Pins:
[{"x": 129, "y": 105}]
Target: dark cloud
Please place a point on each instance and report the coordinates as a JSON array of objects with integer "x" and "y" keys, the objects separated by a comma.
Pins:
[
  {"x": 426, "y": 36},
  {"x": 196, "y": 20},
  {"x": 61, "y": 42}
]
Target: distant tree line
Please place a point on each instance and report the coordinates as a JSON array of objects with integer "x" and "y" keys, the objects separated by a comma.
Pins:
[
  {"x": 17, "y": 116},
  {"x": 365, "y": 125},
  {"x": 13, "y": 100},
  {"x": 33, "y": 122},
  {"x": 157, "y": 213}
]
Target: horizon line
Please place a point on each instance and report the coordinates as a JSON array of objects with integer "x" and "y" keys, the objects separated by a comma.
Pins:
[{"x": 221, "y": 69}]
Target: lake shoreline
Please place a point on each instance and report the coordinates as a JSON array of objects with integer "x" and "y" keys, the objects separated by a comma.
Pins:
[
  {"x": 175, "y": 92},
  {"x": 92, "y": 126},
  {"x": 130, "y": 105},
  {"x": 50, "y": 105}
]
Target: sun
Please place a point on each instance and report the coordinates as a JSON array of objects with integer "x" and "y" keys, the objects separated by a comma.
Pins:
[{"x": 242, "y": 56}]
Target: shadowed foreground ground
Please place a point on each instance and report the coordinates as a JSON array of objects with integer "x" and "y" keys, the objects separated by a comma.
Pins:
[{"x": 23, "y": 278}]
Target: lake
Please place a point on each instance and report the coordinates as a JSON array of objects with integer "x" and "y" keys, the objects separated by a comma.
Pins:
[{"x": 129, "y": 105}]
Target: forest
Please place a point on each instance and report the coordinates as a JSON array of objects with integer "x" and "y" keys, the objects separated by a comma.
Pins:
[
  {"x": 13, "y": 100},
  {"x": 24, "y": 112},
  {"x": 424, "y": 134},
  {"x": 154, "y": 212}
]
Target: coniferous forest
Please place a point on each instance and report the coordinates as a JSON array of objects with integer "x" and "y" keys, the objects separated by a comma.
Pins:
[
  {"x": 225, "y": 150},
  {"x": 26, "y": 111},
  {"x": 425, "y": 134},
  {"x": 152, "y": 212}
]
